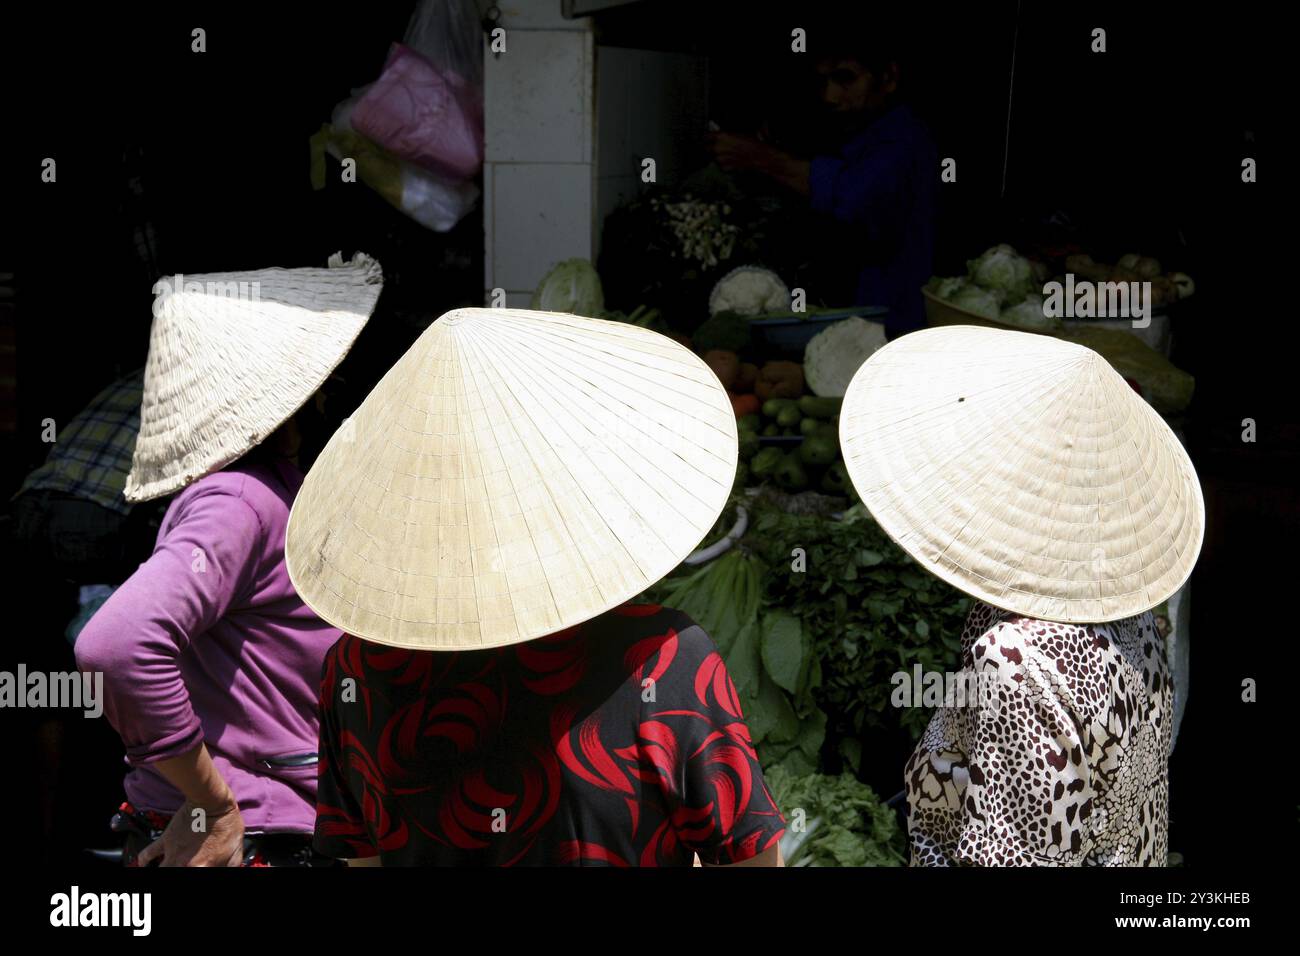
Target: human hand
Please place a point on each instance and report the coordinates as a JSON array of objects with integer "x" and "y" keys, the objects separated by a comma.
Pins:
[
  {"x": 736, "y": 152},
  {"x": 219, "y": 842}
]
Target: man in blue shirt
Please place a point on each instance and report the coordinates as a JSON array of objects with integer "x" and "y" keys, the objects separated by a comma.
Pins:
[{"x": 879, "y": 183}]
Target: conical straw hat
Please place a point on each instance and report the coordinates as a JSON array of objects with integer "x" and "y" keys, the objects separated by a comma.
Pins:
[
  {"x": 515, "y": 473},
  {"x": 1023, "y": 470},
  {"x": 232, "y": 355}
]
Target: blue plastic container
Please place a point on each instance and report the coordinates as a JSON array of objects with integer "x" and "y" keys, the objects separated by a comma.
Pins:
[{"x": 791, "y": 332}]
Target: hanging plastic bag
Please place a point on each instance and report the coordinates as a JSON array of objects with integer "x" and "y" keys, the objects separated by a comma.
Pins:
[
  {"x": 417, "y": 132},
  {"x": 449, "y": 34},
  {"x": 433, "y": 202},
  {"x": 424, "y": 115}
]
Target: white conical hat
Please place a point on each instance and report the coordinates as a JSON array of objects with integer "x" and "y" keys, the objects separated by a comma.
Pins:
[
  {"x": 232, "y": 355},
  {"x": 515, "y": 473},
  {"x": 1023, "y": 470}
]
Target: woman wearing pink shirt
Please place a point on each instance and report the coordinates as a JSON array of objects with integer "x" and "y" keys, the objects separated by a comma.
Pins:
[{"x": 210, "y": 659}]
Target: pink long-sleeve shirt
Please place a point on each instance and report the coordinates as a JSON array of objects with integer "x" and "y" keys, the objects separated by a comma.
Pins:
[{"x": 208, "y": 642}]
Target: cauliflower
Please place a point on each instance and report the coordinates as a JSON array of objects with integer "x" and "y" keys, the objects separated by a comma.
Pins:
[{"x": 749, "y": 290}]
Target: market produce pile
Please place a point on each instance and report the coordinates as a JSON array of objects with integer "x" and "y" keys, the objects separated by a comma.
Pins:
[
  {"x": 845, "y": 823},
  {"x": 1000, "y": 285},
  {"x": 574, "y": 286},
  {"x": 814, "y": 462},
  {"x": 787, "y": 436},
  {"x": 1166, "y": 288},
  {"x": 787, "y": 412},
  {"x": 813, "y": 614},
  {"x": 813, "y": 607},
  {"x": 1007, "y": 288}
]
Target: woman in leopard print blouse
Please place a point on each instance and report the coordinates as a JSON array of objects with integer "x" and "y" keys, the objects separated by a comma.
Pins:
[
  {"x": 1025, "y": 471},
  {"x": 1062, "y": 756}
]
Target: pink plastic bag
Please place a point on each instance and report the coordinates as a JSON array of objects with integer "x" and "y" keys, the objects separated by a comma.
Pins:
[{"x": 429, "y": 117}]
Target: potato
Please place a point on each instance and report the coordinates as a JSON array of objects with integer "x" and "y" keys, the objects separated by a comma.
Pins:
[
  {"x": 747, "y": 378},
  {"x": 779, "y": 380}
]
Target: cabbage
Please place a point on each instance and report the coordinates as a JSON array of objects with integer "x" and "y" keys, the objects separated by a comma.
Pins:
[
  {"x": 834, "y": 354},
  {"x": 947, "y": 288},
  {"x": 1029, "y": 315},
  {"x": 980, "y": 301},
  {"x": 1000, "y": 270},
  {"x": 571, "y": 286}
]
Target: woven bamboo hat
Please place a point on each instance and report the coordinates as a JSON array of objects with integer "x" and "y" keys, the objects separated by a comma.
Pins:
[
  {"x": 232, "y": 355},
  {"x": 1023, "y": 470},
  {"x": 515, "y": 473}
]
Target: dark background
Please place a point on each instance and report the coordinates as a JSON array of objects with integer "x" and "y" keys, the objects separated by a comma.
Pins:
[{"x": 1137, "y": 149}]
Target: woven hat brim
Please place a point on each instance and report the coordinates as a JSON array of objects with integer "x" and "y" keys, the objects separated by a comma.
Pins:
[
  {"x": 1023, "y": 470},
  {"x": 514, "y": 474},
  {"x": 225, "y": 372}
]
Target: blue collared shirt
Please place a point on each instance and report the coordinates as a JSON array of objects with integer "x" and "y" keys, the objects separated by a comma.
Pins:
[{"x": 883, "y": 183}]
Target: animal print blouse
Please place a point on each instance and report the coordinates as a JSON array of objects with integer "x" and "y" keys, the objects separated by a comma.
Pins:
[{"x": 1053, "y": 752}]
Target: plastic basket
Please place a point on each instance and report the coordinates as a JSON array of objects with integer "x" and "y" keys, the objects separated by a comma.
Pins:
[{"x": 938, "y": 312}]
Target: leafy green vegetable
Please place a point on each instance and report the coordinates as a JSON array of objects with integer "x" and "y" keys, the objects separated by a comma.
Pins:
[
  {"x": 571, "y": 286},
  {"x": 783, "y": 649},
  {"x": 744, "y": 659},
  {"x": 1001, "y": 270},
  {"x": 946, "y": 288},
  {"x": 726, "y": 330},
  {"x": 811, "y": 646},
  {"x": 980, "y": 301},
  {"x": 834, "y": 821},
  {"x": 1029, "y": 314},
  {"x": 866, "y": 609}
]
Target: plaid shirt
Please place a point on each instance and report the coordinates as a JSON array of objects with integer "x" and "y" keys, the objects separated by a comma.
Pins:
[{"x": 92, "y": 454}]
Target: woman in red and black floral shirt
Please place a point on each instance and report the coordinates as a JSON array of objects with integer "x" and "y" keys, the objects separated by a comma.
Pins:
[
  {"x": 619, "y": 742},
  {"x": 476, "y": 532}
]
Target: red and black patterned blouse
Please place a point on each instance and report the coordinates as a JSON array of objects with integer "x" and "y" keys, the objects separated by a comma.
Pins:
[{"x": 619, "y": 742}]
